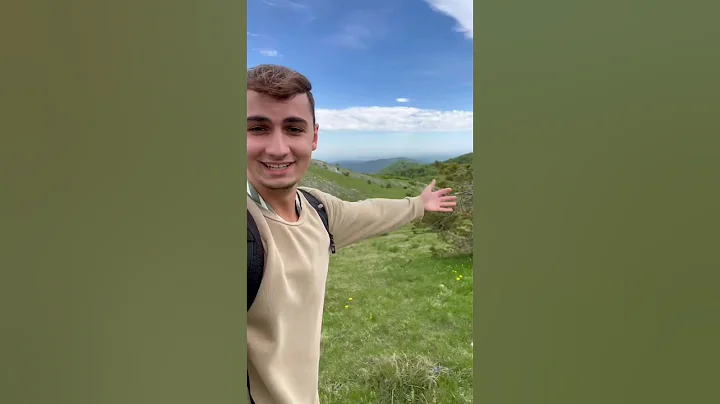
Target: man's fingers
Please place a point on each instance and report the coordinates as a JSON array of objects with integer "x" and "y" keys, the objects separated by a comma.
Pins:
[{"x": 448, "y": 198}]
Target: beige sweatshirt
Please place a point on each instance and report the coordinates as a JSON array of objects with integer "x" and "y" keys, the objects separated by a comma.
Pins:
[{"x": 283, "y": 325}]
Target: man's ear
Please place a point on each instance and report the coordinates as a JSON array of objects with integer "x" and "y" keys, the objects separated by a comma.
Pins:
[{"x": 315, "y": 137}]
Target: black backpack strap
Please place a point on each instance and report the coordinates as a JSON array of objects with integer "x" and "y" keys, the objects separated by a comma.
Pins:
[
  {"x": 250, "y": 395},
  {"x": 255, "y": 259},
  {"x": 320, "y": 209},
  {"x": 255, "y": 269}
]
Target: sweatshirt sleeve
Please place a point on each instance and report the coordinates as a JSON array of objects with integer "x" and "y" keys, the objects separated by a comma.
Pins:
[{"x": 351, "y": 222}]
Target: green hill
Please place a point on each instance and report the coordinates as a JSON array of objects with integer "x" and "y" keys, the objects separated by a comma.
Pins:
[
  {"x": 455, "y": 173},
  {"x": 464, "y": 159},
  {"x": 405, "y": 311},
  {"x": 408, "y": 169},
  {"x": 424, "y": 173}
]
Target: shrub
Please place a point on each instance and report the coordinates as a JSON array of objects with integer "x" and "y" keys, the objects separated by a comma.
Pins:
[{"x": 454, "y": 229}]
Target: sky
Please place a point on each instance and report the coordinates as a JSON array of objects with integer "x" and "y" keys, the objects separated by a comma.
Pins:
[{"x": 391, "y": 78}]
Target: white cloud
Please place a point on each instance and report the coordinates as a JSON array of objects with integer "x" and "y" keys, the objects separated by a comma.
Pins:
[
  {"x": 291, "y": 5},
  {"x": 402, "y": 99},
  {"x": 353, "y": 36},
  {"x": 358, "y": 29},
  {"x": 459, "y": 10},
  {"x": 394, "y": 119},
  {"x": 268, "y": 52}
]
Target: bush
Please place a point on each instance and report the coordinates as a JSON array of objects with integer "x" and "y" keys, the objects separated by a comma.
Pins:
[
  {"x": 346, "y": 173},
  {"x": 455, "y": 229}
]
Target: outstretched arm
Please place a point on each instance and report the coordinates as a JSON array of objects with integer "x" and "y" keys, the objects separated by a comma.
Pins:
[{"x": 351, "y": 222}]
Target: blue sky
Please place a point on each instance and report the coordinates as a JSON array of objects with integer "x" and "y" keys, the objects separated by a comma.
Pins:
[{"x": 390, "y": 77}]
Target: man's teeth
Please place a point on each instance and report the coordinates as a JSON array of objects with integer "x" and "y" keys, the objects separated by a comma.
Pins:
[{"x": 277, "y": 167}]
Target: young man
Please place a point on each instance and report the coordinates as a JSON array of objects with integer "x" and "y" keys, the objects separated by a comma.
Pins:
[{"x": 284, "y": 321}]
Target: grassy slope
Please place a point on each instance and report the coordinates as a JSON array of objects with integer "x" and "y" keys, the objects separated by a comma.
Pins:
[
  {"x": 355, "y": 186},
  {"x": 464, "y": 159},
  {"x": 405, "y": 336}
]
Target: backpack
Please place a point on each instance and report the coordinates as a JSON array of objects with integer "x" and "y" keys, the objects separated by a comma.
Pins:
[{"x": 256, "y": 251}]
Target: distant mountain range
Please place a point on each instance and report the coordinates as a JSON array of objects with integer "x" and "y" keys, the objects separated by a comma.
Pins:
[{"x": 376, "y": 166}]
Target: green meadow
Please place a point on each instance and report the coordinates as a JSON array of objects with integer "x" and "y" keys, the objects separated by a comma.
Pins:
[{"x": 397, "y": 325}]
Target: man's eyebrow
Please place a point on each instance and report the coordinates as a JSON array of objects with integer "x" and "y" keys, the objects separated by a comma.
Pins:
[
  {"x": 294, "y": 119},
  {"x": 291, "y": 119}
]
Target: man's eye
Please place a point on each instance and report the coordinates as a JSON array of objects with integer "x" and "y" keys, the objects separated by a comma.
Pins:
[
  {"x": 256, "y": 129},
  {"x": 295, "y": 130}
]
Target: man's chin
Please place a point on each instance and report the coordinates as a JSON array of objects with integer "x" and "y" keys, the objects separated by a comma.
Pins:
[{"x": 279, "y": 185}]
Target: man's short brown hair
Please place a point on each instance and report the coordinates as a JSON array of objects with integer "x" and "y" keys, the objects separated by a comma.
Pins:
[{"x": 280, "y": 82}]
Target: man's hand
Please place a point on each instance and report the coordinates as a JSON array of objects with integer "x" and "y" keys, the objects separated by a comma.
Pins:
[{"x": 437, "y": 201}]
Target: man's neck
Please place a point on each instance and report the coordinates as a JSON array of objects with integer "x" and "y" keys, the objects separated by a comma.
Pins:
[{"x": 281, "y": 201}]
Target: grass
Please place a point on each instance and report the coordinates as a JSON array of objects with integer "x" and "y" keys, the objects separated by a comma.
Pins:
[{"x": 397, "y": 326}]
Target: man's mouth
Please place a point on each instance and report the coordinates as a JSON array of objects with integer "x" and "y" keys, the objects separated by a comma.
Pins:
[{"x": 277, "y": 167}]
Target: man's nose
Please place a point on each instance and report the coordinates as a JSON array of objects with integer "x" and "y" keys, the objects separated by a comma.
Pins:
[{"x": 277, "y": 145}]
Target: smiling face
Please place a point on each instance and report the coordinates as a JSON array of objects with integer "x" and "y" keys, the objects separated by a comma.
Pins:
[{"x": 281, "y": 137}]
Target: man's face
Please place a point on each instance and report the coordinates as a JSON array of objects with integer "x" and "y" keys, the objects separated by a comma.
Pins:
[{"x": 280, "y": 140}]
